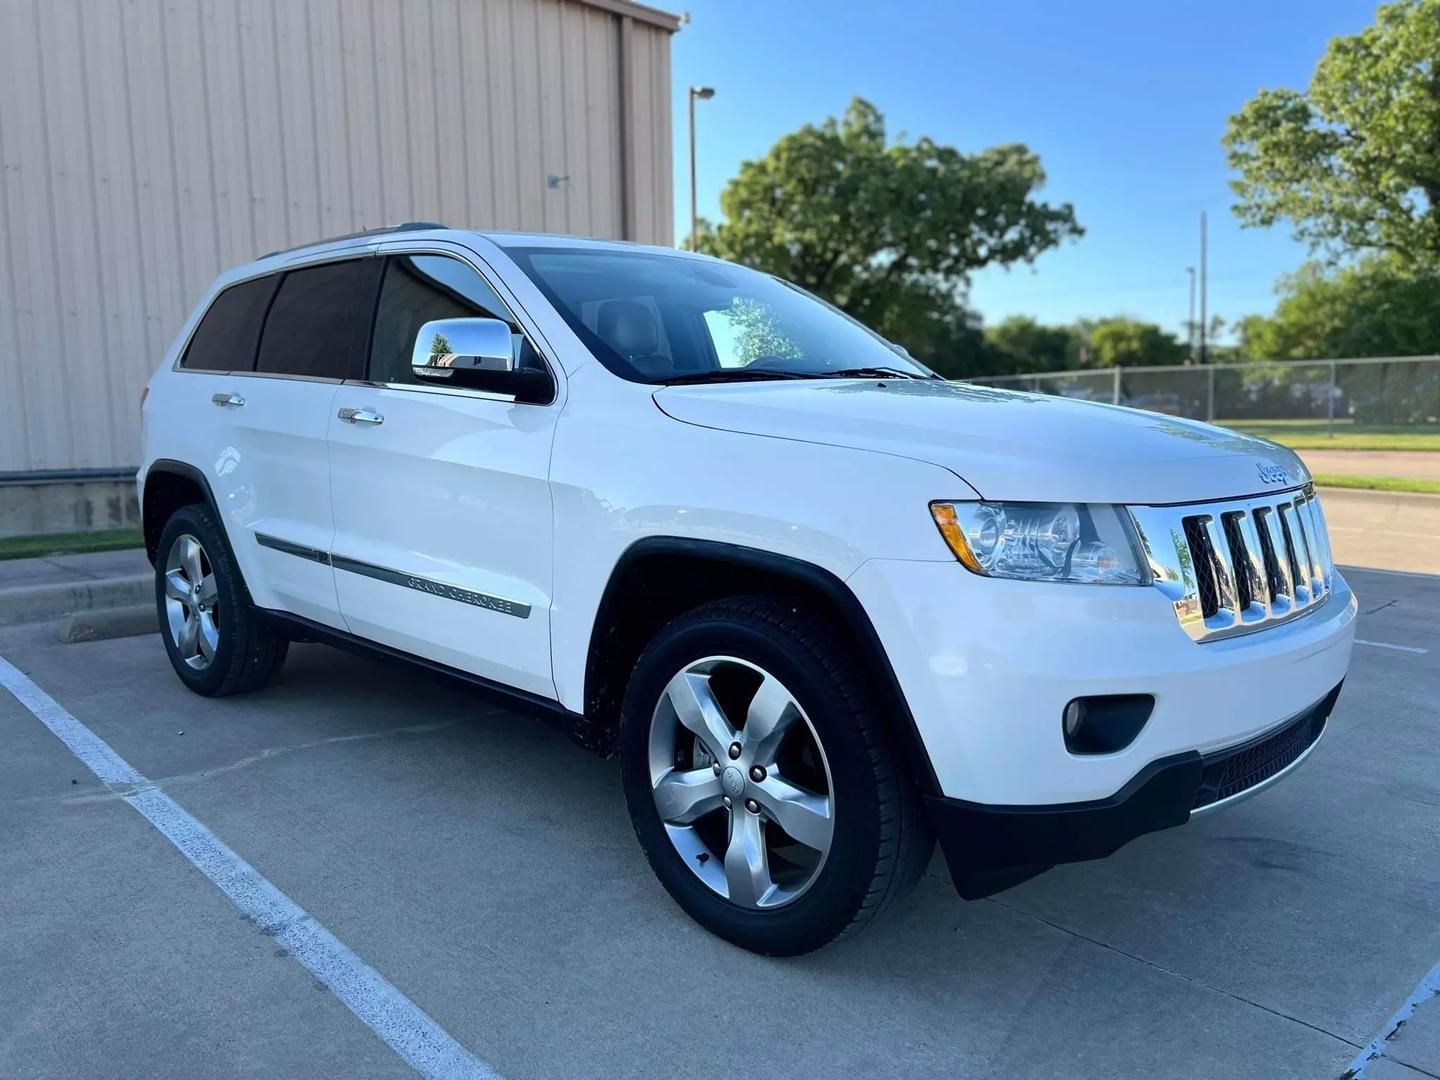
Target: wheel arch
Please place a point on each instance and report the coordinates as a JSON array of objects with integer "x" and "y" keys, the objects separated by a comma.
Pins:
[
  {"x": 168, "y": 486},
  {"x": 670, "y": 575}
]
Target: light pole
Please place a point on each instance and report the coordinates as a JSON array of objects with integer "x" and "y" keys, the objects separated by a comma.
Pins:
[
  {"x": 1190, "y": 322},
  {"x": 1204, "y": 275},
  {"x": 705, "y": 93}
]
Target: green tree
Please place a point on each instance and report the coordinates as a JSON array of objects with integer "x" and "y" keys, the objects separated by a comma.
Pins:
[
  {"x": 1122, "y": 342},
  {"x": 943, "y": 332},
  {"x": 888, "y": 231},
  {"x": 1376, "y": 307},
  {"x": 1353, "y": 163},
  {"x": 440, "y": 345},
  {"x": 1023, "y": 345}
]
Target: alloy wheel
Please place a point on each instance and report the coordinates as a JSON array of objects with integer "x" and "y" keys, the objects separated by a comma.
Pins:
[
  {"x": 741, "y": 782},
  {"x": 191, "y": 602}
]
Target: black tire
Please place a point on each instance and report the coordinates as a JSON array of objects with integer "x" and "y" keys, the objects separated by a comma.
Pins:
[
  {"x": 881, "y": 840},
  {"x": 248, "y": 654}
]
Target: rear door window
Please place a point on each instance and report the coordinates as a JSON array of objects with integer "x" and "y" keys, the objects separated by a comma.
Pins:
[
  {"x": 228, "y": 332},
  {"x": 317, "y": 324}
]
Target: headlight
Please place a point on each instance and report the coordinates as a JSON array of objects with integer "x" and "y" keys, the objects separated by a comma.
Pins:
[{"x": 1043, "y": 541}]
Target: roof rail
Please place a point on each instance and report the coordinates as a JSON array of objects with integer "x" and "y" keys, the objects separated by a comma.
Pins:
[{"x": 406, "y": 226}]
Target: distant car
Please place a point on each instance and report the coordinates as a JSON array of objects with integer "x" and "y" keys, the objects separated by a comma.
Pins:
[{"x": 823, "y": 605}]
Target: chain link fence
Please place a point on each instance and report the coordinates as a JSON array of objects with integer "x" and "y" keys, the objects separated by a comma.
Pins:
[{"x": 1398, "y": 391}]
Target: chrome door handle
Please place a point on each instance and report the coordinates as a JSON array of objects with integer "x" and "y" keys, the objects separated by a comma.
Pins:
[
  {"x": 360, "y": 416},
  {"x": 227, "y": 401}
]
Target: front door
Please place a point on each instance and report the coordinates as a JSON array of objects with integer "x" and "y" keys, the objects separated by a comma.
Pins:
[{"x": 441, "y": 495}]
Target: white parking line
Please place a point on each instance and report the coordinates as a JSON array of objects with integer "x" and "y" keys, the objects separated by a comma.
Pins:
[
  {"x": 1429, "y": 988},
  {"x": 398, "y": 1021},
  {"x": 1387, "y": 645}
]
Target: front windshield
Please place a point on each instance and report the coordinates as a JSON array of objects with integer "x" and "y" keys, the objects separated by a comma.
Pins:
[{"x": 670, "y": 318}]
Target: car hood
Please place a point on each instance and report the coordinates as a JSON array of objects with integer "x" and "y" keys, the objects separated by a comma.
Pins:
[{"x": 1004, "y": 444}]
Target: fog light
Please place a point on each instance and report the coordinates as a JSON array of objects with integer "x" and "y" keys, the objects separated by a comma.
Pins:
[
  {"x": 1104, "y": 723},
  {"x": 1074, "y": 717}
]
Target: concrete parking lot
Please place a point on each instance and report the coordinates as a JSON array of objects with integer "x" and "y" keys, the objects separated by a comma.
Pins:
[
  {"x": 1390, "y": 530},
  {"x": 486, "y": 868}
]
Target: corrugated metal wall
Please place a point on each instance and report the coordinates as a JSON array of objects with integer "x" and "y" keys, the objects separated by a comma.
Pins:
[{"x": 145, "y": 145}]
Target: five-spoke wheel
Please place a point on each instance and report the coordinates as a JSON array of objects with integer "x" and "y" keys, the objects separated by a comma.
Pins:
[
  {"x": 761, "y": 779},
  {"x": 741, "y": 782},
  {"x": 192, "y": 602},
  {"x": 217, "y": 641}
]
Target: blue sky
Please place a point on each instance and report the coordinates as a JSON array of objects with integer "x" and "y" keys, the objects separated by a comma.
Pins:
[{"x": 1125, "y": 101}]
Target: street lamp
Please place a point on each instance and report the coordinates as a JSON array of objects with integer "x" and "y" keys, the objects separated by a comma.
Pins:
[{"x": 705, "y": 93}]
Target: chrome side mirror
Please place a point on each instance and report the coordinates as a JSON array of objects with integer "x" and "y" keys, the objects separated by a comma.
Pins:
[
  {"x": 479, "y": 354},
  {"x": 444, "y": 347}
]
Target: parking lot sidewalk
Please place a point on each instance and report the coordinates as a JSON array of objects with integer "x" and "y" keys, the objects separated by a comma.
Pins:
[
  {"x": 36, "y": 589},
  {"x": 1410, "y": 464}
]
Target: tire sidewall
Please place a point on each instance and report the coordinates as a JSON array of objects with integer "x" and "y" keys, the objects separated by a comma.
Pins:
[
  {"x": 832, "y": 900},
  {"x": 234, "y": 601}
]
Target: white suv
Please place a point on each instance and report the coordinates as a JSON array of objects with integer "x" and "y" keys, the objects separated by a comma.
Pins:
[{"x": 823, "y": 605}]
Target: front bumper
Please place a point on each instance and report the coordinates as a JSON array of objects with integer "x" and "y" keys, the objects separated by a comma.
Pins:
[
  {"x": 989, "y": 847},
  {"x": 987, "y": 667}
]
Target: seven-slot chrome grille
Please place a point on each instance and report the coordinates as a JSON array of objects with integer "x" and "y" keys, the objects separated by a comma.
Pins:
[{"x": 1241, "y": 565}]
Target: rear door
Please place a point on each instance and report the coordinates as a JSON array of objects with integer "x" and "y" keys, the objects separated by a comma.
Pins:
[
  {"x": 441, "y": 494},
  {"x": 191, "y": 409},
  {"x": 275, "y": 469}
]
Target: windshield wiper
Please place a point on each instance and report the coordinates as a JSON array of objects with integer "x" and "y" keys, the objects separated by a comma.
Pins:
[
  {"x": 721, "y": 375},
  {"x": 872, "y": 373}
]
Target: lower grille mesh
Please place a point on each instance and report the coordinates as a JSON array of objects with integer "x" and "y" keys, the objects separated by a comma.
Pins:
[{"x": 1235, "y": 771}]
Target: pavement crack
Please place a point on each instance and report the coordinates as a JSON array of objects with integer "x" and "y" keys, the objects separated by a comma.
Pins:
[
  {"x": 1177, "y": 974},
  {"x": 1415, "y": 1068},
  {"x": 124, "y": 791},
  {"x": 278, "y": 751},
  {"x": 1381, "y": 607}
]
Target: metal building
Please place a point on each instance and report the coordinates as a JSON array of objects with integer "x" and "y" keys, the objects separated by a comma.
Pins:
[{"x": 145, "y": 145}]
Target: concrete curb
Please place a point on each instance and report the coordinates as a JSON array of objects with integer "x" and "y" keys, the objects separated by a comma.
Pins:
[
  {"x": 36, "y": 603},
  {"x": 109, "y": 623}
]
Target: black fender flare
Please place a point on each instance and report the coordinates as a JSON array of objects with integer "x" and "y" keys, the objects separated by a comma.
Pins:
[
  {"x": 171, "y": 467},
  {"x": 807, "y": 574}
]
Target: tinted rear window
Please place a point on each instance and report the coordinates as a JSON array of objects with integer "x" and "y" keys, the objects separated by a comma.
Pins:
[
  {"x": 225, "y": 339},
  {"x": 319, "y": 320}
]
